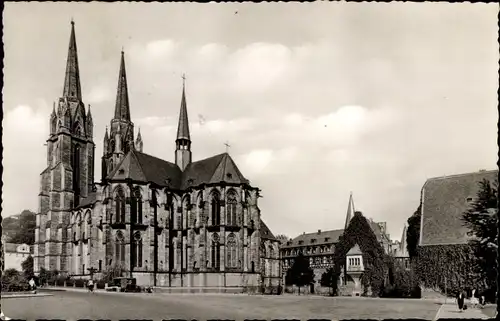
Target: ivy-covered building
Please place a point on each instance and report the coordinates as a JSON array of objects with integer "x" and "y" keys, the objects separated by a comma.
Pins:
[
  {"x": 443, "y": 252},
  {"x": 319, "y": 248},
  {"x": 186, "y": 224}
]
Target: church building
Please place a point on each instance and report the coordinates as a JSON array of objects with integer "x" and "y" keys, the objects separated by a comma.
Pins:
[{"x": 187, "y": 224}]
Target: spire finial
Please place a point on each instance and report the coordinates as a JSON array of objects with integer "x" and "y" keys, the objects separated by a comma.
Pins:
[
  {"x": 227, "y": 146},
  {"x": 122, "y": 107},
  {"x": 72, "y": 86},
  {"x": 183, "y": 126}
]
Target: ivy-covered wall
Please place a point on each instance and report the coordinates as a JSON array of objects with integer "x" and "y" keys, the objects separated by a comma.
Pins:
[{"x": 446, "y": 267}]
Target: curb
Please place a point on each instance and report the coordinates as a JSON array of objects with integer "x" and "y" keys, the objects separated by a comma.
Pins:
[{"x": 15, "y": 296}]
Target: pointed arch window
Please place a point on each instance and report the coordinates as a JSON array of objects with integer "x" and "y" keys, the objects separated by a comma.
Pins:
[
  {"x": 53, "y": 125},
  {"x": 231, "y": 209},
  {"x": 67, "y": 119},
  {"x": 215, "y": 209},
  {"x": 136, "y": 206},
  {"x": 112, "y": 147},
  {"x": 120, "y": 206},
  {"x": 77, "y": 129},
  {"x": 120, "y": 248},
  {"x": 271, "y": 252},
  {"x": 137, "y": 250},
  {"x": 75, "y": 164},
  {"x": 215, "y": 252},
  {"x": 232, "y": 258}
]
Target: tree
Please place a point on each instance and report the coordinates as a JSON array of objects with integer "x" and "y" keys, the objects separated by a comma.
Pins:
[
  {"x": 27, "y": 266},
  {"x": 360, "y": 232},
  {"x": 413, "y": 232},
  {"x": 112, "y": 271},
  {"x": 282, "y": 238},
  {"x": 329, "y": 279},
  {"x": 25, "y": 230},
  {"x": 300, "y": 273},
  {"x": 481, "y": 218}
]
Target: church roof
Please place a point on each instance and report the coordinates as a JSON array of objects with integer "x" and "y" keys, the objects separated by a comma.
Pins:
[
  {"x": 89, "y": 200},
  {"x": 444, "y": 200},
  {"x": 265, "y": 232},
  {"x": 215, "y": 169},
  {"x": 145, "y": 168}
]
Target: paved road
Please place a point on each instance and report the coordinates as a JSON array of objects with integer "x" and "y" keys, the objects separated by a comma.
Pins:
[{"x": 70, "y": 305}]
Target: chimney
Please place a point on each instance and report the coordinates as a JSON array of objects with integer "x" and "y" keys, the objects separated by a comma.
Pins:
[
  {"x": 303, "y": 233},
  {"x": 319, "y": 231}
]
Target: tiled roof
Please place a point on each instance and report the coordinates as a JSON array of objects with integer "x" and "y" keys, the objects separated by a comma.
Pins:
[
  {"x": 89, "y": 200},
  {"x": 320, "y": 236},
  {"x": 146, "y": 168},
  {"x": 444, "y": 200},
  {"x": 214, "y": 169},
  {"x": 12, "y": 247},
  {"x": 332, "y": 235},
  {"x": 265, "y": 232}
]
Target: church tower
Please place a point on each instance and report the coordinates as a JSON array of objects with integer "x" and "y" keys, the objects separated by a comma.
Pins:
[
  {"x": 121, "y": 136},
  {"x": 183, "y": 141},
  {"x": 350, "y": 212},
  {"x": 69, "y": 176}
]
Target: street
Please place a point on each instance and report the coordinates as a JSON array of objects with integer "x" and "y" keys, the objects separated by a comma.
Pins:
[{"x": 73, "y": 305}]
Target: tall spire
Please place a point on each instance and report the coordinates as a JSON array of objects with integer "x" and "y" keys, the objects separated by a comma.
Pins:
[
  {"x": 350, "y": 211},
  {"x": 122, "y": 108},
  {"x": 72, "y": 86},
  {"x": 183, "y": 128}
]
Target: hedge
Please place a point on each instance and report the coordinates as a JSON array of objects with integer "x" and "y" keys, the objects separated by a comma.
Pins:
[
  {"x": 100, "y": 284},
  {"x": 79, "y": 283},
  {"x": 447, "y": 267}
]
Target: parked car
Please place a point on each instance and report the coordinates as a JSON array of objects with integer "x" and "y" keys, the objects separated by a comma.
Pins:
[{"x": 123, "y": 284}]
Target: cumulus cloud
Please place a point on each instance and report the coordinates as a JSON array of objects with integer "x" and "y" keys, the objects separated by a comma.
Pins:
[{"x": 99, "y": 94}]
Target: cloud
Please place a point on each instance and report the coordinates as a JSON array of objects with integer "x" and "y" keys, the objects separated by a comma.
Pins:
[
  {"x": 99, "y": 94},
  {"x": 258, "y": 66},
  {"x": 161, "y": 48},
  {"x": 24, "y": 133}
]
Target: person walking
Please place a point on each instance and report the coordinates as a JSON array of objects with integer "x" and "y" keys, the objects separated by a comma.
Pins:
[
  {"x": 90, "y": 285},
  {"x": 460, "y": 300},
  {"x": 474, "y": 301},
  {"x": 32, "y": 284}
]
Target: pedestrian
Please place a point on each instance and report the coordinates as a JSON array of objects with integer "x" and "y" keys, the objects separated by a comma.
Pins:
[
  {"x": 90, "y": 285},
  {"x": 460, "y": 300},
  {"x": 474, "y": 302},
  {"x": 32, "y": 284}
]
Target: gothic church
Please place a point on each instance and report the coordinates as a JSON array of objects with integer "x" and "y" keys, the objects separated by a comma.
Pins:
[{"x": 185, "y": 224}]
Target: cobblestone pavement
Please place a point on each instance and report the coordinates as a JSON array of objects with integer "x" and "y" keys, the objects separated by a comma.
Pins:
[{"x": 78, "y": 304}]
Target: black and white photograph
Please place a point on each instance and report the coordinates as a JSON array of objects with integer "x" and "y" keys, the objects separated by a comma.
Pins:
[{"x": 237, "y": 161}]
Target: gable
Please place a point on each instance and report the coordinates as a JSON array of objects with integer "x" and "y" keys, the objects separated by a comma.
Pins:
[
  {"x": 444, "y": 200},
  {"x": 213, "y": 170}
]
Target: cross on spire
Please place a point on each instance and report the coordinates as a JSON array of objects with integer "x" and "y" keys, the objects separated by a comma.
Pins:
[{"x": 227, "y": 146}]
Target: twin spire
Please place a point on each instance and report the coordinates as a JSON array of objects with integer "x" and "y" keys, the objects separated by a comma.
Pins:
[
  {"x": 122, "y": 107},
  {"x": 72, "y": 88}
]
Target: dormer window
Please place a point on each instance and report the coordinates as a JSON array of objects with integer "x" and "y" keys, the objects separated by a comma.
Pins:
[
  {"x": 301, "y": 242},
  {"x": 327, "y": 239},
  {"x": 469, "y": 199},
  {"x": 190, "y": 181},
  {"x": 229, "y": 175},
  {"x": 313, "y": 241},
  {"x": 121, "y": 171}
]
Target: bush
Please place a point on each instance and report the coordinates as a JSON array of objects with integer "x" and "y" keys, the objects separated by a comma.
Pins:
[
  {"x": 70, "y": 282},
  {"x": 79, "y": 283},
  {"x": 13, "y": 281},
  {"x": 100, "y": 284}
]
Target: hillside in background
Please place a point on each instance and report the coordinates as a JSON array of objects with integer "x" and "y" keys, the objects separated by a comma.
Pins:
[{"x": 19, "y": 228}]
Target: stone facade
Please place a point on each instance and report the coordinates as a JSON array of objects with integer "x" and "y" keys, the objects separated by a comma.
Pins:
[{"x": 184, "y": 224}]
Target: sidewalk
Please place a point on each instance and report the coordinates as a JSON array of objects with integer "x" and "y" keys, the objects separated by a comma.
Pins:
[{"x": 450, "y": 311}]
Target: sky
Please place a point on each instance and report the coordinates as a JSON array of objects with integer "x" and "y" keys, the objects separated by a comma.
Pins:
[{"x": 316, "y": 100}]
